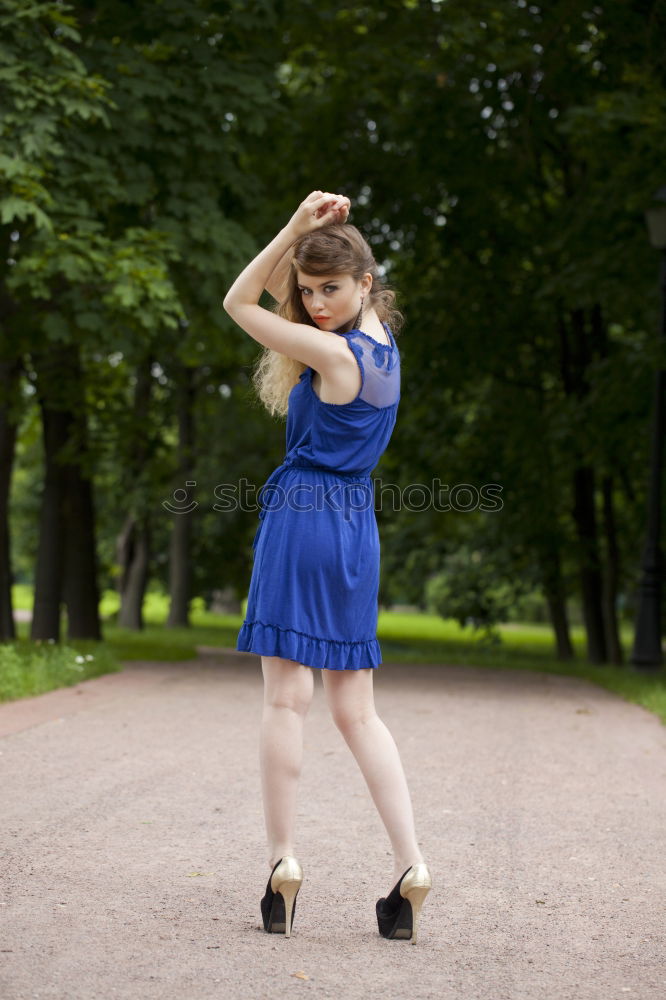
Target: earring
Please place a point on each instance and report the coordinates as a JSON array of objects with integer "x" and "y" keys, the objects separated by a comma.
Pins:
[{"x": 357, "y": 321}]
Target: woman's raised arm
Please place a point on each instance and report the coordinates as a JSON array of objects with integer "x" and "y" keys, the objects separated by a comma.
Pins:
[
  {"x": 317, "y": 348},
  {"x": 277, "y": 283},
  {"x": 276, "y": 286}
]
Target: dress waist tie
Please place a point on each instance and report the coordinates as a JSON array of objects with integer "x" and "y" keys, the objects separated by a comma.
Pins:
[{"x": 289, "y": 464}]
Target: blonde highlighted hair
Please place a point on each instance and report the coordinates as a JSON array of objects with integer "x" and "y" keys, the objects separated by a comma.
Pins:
[{"x": 334, "y": 250}]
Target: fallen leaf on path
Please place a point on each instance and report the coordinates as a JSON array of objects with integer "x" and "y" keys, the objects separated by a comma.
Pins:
[{"x": 300, "y": 974}]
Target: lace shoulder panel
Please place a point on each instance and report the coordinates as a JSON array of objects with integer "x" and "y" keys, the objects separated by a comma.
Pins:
[{"x": 380, "y": 369}]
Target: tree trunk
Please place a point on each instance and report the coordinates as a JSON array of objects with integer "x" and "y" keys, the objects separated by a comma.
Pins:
[
  {"x": 80, "y": 584},
  {"x": 133, "y": 546},
  {"x": 56, "y": 426},
  {"x": 548, "y": 546},
  {"x": 555, "y": 596},
  {"x": 589, "y": 564},
  {"x": 10, "y": 376},
  {"x": 601, "y": 348},
  {"x": 578, "y": 345},
  {"x": 611, "y": 575},
  {"x": 181, "y": 533},
  {"x": 134, "y": 557},
  {"x": 66, "y": 559}
]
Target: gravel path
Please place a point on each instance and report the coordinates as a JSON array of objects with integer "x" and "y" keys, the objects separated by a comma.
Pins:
[{"x": 133, "y": 855}]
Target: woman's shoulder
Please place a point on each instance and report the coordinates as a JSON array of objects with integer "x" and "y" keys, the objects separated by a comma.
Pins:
[{"x": 371, "y": 342}]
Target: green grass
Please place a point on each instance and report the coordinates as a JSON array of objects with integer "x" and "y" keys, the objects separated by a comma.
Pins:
[
  {"x": 414, "y": 638},
  {"x": 405, "y": 638},
  {"x": 30, "y": 668}
]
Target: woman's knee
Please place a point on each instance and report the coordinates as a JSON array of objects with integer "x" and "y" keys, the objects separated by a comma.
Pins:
[
  {"x": 287, "y": 684},
  {"x": 350, "y": 699}
]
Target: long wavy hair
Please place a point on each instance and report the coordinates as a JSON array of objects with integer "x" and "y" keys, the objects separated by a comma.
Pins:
[{"x": 334, "y": 250}]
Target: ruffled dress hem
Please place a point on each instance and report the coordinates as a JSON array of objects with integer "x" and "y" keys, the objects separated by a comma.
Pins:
[{"x": 329, "y": 654}]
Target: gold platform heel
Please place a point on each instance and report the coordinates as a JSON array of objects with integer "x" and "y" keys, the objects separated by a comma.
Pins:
[
  {"x": 279, "y": 903},
  {"x": 415, "y": 887},
  {"x": 398, "y": 914}
]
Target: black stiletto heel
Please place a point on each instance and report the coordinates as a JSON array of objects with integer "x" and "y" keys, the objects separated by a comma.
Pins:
[
  {"x": 398, "y": 913},
  {"x": 278, "y": 905}
]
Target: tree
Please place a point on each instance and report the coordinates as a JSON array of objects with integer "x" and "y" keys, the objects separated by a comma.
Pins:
[
  {"x": 138, "y": 243},
  {"x": 499, "y": 161},
  {"x": 46, "y": 90}
]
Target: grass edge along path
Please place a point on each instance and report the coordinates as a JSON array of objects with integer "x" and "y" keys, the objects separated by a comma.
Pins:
[{"x": 30, "y": 668}]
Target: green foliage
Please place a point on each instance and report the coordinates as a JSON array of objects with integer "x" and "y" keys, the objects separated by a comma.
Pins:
[
  {"x": 500, "y": 162},
  {"x": 45, "y": 88},
  {"x": 468, "y": 589},
  {"x": 128, "y": 276},
  {"x": 405, "y": 638},
  {"x": 498, "y": 158},
  {"x": 143, "y": 229}
]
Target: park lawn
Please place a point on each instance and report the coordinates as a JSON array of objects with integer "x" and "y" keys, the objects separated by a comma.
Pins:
[{"x": 405, "y": 637}]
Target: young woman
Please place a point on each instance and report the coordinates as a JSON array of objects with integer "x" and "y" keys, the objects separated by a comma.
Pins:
[{"x": 331, "y": 365}]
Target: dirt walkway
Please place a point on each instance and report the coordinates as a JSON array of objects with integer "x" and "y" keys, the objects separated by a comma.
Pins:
[{"x": 133, "y": 842}]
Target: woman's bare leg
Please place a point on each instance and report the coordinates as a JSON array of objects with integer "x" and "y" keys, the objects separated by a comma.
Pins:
[
  {"x": 288, "y": 690},
  {"x": 350, "y": 697}
]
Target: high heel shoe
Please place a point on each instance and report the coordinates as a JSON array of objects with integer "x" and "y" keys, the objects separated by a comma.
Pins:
[
  {"x": 398, "y": 913},
  {"x": 278, "y": 905}
]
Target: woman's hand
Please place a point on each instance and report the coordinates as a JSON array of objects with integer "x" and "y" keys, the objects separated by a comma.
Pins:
[
  {"x": 318, "y": 210},
  {"x": 242, "y": 300}
]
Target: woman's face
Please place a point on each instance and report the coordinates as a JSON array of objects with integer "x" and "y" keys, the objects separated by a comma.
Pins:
[{"x": 332, "y": 300}]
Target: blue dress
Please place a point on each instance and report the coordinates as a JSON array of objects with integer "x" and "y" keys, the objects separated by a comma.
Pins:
[{"x": 313, "y": 594}]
